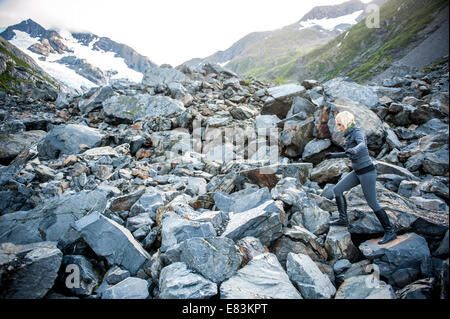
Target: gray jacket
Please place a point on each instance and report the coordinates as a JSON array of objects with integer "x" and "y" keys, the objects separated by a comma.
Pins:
[{"x": 356, "y": 139}]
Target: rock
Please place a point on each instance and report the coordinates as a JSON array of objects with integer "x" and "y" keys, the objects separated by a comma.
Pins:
[
  {"x": 344, "y": 87},
  {"x": 174, "y": 230},
  {"x": 365, "y": 287},
  {"x": 124, "y": 202},
  {"x": 126, "y": 109},
  {"x": 262, "y": 222},
  {"x": 96, "y": 99},
  {"x": 403, "y": 213},
  {"x": 430, "y": 204},
  {"x": 136, "y": 222},
  {"x": 314, "y": 147},
  {"x": 363, "y": 267},
  {"x": 159, "y": 76},
  {"x": 217, "y": 218},
  {"x": 112, "y": 241},
  {"x": 12, "y": 145},
  {"x": 69, "y": 139},
  {"x": 407, "y": 251},
  {"x": 436, "y": 163},
  {"x": 215, "y": 258},
  {"x": 281, "y": 98},
  {"x": 329, "y": 170},
  {"x": 341, "y": 265},
  {"x": 88, "y": 278},
  {"x": 420, "y": 289},
  {"x": 308, "y": 278},
  {"x": 339, "y": 245},
  {"x": 116, "y": 275},
  {"x": 51, "y": 221},
  {"x": 266, "y": 122},
  {"x": 130, "y": 288},
  {"x": 442, "y": 250},
  {"x": 242, "y": 112},
  {"x": 250, "y": 247},
  {"x": 309, "y": 84},
  {"x": 312, "y": 217},
  {"x": 147, "y": 203},
  {"x": 300, "y": 105},
  {"x": 28, "y": 271},
  {"x": 241, "y": 201},
  {"x": 271, "y": 282},
  {"x": 177, "y": 281}
]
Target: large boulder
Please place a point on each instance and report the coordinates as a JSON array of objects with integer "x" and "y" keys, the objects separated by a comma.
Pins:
[
  {"x": 345, "y": 87},
  {"x": 89, "y": 276},
  {"x": 271, "y": 281},
  {"x": 159, "y": 76},
  {"x": 177, "y": 281},
  {"x": 175, "y": 229},
  {"x": 12, "y": 145},
  {"x": 407, "y": 252},
  {"x": 308, "y": 278},
  {"x": 241, "y": 201},
  {"x": 112, "y": 241},
  {"x": 216, "y": 258},
  {"x": 128, "y": 109},
  {"x": 329, "y": 171},
  {"x": 280, "y": 99},
  {"x": 28, "y": 271},
  {"x": 53, "y": 220},
  {"x": 130, "y": 288},
  {"x": 365, "y": 287},
  {"x": 339, "y": 245},
  {"x": 69, "y": 139},
  {"x": 262, "y": 222}
]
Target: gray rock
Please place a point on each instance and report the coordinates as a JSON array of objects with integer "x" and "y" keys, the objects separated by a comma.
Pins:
[
  {"x": 328, "y": 170},
  {"x": 442, "y": 250},
  {"x": 262, "y": 222},
  {"x": 420, "y": 289},
  {"x": 266, "y": 122},
  {"x": 128, "y": 109},
  {"x": 12, "y": 145},
  {"x": 116, "y": 275},
  {"x": 28, "y": 271},
  {"x": 112, "y": 241},
  {"x": 271, "y": 281},
  {"x": 281, "y": 98},
  {"x": 69, "y": 139},
  {"x": 339, "y": 244},
  {"x": 308, "y": 278},
  {"x": 156, "y": 76},
  {"x": 147, "y": 203},
  {"x": 299, "y": 105},
  {"x": 130, "y": 288},
  {"x": 341, "y": 265},
  {"x": 365, "y": 287},
  {"x": 96, "y": 99},
  {"x": 343, "y": 87},
  {"x": 250, "y": 247},
  {"x": 241, "y": 201},
  {"x": 53, "y": 220},
  {"x": 216, "y": 258},
  {"x": 315, "y": 147},
  {"x": 177, "y": 281},
  {"x": 407, "y": 251},
  {"x": 174, "y": 230},
  {"x": 89, "y": 277}
]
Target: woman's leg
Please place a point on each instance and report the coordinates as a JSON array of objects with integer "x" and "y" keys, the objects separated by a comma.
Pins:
[
  {"x": 368, "y": 184},
  {"x": 347, "y": 182}
]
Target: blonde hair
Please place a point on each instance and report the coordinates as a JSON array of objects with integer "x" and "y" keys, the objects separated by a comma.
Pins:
[{"x": 345, "y": 118}]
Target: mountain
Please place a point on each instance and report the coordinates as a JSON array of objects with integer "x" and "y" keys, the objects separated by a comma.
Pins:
[
  {"x": 259, "y": 54},
  {"x": 408, "y": 30},
  {"x": 77, "y": 59},
  {"x": 20, "y": 74}
]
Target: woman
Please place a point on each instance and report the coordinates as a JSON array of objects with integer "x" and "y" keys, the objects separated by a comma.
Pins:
[{"x": 363, "y": 173}]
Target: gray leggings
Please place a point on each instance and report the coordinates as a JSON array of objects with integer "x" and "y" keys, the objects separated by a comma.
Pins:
[{"x": 367, "y": 181}]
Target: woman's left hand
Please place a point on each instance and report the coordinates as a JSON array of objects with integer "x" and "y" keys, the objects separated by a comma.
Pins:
[{"x": 351, "y": 151}]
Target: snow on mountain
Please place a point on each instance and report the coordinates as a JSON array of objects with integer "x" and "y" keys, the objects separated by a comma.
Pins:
[
  {"x": 331, "y": 23},
  {"x": 72, "y": 60}
]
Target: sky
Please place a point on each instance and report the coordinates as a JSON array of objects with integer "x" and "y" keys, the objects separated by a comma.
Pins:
[{"x": 166, "y": 31}]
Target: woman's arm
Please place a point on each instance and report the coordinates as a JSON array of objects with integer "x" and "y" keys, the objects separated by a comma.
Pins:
[
  {"x": 361, "y": 140},
  {"x": 336, "y": 155}
]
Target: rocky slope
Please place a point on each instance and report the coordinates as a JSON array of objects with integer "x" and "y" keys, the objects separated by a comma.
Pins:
[
  {"x": 187, "y": 184},
  {"x": 408, "y": 30},
  {"x": 271, "y": 54},
  {"x": 80, "y": 60}
]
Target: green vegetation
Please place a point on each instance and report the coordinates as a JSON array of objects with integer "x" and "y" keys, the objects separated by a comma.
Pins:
[
  {"x": 6, "y": 79},
  {"x": 362, "y": 52}
]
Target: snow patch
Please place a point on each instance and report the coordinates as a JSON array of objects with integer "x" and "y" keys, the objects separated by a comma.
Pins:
[
  {"x": 330, "y": 24},
  {"x": 224, "y": 63}
]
